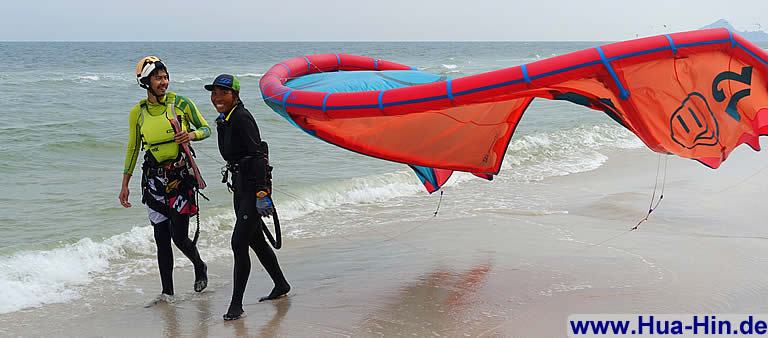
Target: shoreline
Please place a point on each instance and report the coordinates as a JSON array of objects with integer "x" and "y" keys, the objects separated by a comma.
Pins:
[{"x": 496, "y": 270}]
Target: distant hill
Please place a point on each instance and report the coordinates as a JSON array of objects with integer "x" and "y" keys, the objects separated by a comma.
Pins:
[{"x": 751, "y": 36}]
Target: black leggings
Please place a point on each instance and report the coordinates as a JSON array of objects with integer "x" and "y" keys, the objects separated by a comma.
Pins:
[
  {"x": 176, "y": 228},
  {"x": 247, "y": 234}
]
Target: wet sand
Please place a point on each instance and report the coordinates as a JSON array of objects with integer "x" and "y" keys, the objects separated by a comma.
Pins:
[{"x": 492, "y": 272}]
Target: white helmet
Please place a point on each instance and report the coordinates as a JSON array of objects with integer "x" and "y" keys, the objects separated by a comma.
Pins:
[{"x": 145, "y": 67}]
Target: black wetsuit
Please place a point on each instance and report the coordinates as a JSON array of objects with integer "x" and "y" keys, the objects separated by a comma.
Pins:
[
  {"x": 240, "y": 146},
  {"x": 158, "y": 196}
]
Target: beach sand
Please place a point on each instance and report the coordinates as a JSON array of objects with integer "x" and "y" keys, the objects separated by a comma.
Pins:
[{"x": 495, "y": 271}]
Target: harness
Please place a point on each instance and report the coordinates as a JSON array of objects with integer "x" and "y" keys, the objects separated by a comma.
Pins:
[
  {"x": 234, "y": 168},
  {"x": 178, "y": 174}
]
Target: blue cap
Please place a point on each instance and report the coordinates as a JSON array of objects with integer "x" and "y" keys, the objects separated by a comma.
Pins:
[{"x": 225, "y": 81}]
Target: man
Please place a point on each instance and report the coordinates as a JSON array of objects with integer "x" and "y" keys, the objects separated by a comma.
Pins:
[
  {"x": 241, "y": 146},
  {"x": 168, "y": 186}
]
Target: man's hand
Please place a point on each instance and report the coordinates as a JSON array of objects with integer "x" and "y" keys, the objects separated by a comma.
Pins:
[
  {"x": 184, "y": 137},
  {"x": 124, "y": 192}
]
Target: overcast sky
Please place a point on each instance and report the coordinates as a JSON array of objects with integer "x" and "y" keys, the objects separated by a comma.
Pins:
[{"x": 348, "y": 20}]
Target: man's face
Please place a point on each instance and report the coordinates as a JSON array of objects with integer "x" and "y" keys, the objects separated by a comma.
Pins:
[
  {"x": 159, "y": 82},
  {"x": 223, "y": 99}
]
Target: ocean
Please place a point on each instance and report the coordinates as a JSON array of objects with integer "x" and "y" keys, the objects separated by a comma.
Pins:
[{"x": 63, "y": 144}]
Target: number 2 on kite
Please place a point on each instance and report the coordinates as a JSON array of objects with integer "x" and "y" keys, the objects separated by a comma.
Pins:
[{"x": 745, "y": 77}]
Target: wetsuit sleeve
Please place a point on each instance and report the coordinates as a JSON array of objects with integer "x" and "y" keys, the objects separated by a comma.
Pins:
[
  {"x": 134, "y": 141},
  {"x": 192, "y": 114}
]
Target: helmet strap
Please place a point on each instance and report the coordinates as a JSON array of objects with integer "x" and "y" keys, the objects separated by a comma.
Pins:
[{"x": 152, "y": 92}]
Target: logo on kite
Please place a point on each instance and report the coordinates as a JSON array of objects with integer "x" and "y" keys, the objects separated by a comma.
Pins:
[
  {"x": 693, "y": 123},
  {"x": 745, "y": 77}
]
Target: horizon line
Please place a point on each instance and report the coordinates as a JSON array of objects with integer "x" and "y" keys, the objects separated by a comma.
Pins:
[{"x": 304, "y": 41}]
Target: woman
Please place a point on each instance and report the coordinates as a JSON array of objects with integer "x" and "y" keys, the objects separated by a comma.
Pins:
[
  {"x": 241, "y": 146},
  {"x": 167, "y": 184}
]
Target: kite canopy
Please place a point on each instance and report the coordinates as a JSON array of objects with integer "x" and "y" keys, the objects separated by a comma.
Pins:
[{"x": 696, "y": 94}]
